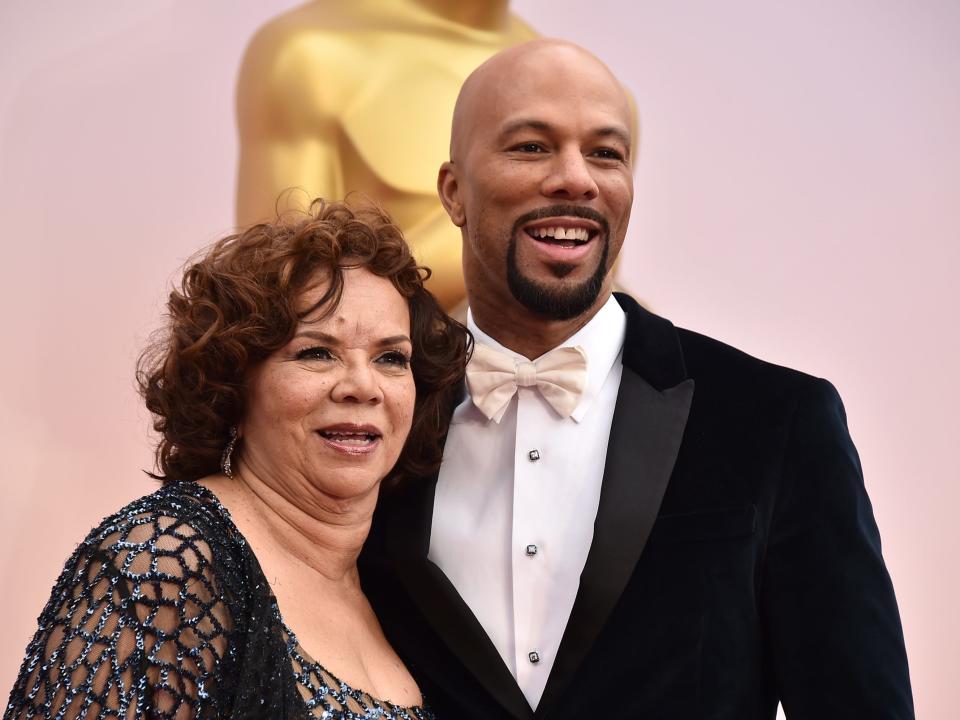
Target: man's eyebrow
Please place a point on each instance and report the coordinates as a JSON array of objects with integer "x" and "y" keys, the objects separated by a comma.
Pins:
[
  {"x": 531, "y": 124},
  {"x": 614, "y": 131},
  {"x": 524, "y": 124}
]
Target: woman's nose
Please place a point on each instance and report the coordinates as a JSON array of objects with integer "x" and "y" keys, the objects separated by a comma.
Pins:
[{"x": 358, "y": 383}]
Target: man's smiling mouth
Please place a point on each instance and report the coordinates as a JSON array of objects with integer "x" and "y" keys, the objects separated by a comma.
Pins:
[
  {"x": 562, "y": 234},
  {"x": 564, "y": 237}
]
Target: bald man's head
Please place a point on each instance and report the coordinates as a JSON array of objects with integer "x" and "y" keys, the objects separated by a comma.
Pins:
[
  {"x": 483, "y": 84},
  {"x": 539, "y": 179}
]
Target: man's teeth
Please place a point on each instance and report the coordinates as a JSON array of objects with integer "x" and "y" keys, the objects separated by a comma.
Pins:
[{"x": 560, "y": 233}]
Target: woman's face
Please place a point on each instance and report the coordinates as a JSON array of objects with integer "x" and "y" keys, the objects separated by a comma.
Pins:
[{"x": 333, "y": 408}]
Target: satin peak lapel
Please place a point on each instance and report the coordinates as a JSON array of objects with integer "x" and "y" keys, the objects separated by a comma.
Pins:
[
  {"x": 444, "y": 609},
  {"x": 645, "y": 438}
]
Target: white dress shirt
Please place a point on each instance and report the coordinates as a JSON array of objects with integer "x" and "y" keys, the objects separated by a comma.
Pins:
[{"x": 516, "y": 501}]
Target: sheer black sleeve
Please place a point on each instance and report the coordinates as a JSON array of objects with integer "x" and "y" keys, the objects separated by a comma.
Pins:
[
  {"x": 138, "y": 625},
  {"x": 164, "y": 612}
]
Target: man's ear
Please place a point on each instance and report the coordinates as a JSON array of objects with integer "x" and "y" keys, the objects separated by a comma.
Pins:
[{"x": 449, "y": 190}]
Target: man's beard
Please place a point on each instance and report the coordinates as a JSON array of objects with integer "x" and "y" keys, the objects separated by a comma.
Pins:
[{"x": 561, "y": 303}]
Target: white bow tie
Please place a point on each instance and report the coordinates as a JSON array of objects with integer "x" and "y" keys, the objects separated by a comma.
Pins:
[{"x": 493, "y": 378}]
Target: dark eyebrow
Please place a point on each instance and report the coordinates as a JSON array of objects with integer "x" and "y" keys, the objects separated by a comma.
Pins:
[
  {"x": 394, "y": 340},
  {"x": 330, "y": 339},
  {"x": 316, "y": 335},
  {"x": 523, "y": 124},
  {"x": 530, "y": 124},
  {"x": 617, "y": 132}
]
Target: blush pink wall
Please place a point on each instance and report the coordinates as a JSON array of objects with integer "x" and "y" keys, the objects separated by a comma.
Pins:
[{"x": 798, "y": 195}]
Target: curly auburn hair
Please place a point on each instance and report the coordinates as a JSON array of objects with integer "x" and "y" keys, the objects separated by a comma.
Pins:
[{"x": 238, "y": 303}]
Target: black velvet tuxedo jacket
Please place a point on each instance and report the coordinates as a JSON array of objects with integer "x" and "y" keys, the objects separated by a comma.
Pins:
[{"x": 735, "y": 561}]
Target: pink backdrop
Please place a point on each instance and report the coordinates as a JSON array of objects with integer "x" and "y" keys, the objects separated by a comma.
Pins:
[{"x": 798, "y": 195}]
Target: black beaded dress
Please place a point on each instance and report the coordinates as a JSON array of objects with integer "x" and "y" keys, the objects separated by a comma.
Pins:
[{"x": 163, "y": 612}]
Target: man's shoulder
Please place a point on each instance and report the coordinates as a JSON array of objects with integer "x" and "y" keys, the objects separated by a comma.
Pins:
[
  {"x": 709, "y": 361},
  {"x": 705, "y": 355}
]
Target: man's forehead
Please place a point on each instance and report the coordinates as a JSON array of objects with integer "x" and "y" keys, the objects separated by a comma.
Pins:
[
  {"x": 531, "y": 82},
  {"x": 551, "y": 71}
]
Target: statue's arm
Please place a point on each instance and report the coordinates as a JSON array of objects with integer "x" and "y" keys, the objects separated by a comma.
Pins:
[{"x": 288, "y": 136}]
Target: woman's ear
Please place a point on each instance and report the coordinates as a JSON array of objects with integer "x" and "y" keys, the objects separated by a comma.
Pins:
[{"x": 448, "y": 188}]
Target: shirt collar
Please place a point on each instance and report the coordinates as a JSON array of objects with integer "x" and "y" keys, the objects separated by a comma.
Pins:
[{"x": 601, "y": 339}]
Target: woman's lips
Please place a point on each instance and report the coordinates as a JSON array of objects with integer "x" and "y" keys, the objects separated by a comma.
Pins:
[{"x": 351, "y": 439}]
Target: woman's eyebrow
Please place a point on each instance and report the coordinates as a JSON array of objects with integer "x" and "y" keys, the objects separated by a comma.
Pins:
[
  {"x": 394, "y": 340},
  {"x": 333, "y": 340},
  {"x": 317, "y": 335}
]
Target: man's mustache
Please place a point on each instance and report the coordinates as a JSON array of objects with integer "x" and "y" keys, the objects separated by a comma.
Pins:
[{"x": 563, "y": 211}]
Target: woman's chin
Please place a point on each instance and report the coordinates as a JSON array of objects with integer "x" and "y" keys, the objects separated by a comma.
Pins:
[{"x": 346, "y": 479}]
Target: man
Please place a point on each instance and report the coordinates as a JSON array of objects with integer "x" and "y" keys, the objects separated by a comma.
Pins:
[{"x": 644, "y": 523}]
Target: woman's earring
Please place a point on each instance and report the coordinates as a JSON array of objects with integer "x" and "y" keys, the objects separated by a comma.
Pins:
[{"x": 225, "y": 464}]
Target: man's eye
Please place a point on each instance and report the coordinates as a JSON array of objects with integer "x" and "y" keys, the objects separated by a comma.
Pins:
[
  {"x": 608, "y": 154},
  {"x": 395, "y": 358},
  {"x": 528, "y": 147},
  {"x": 315, "y": 353}
]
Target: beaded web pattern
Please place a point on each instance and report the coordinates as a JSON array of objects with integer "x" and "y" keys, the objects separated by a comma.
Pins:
[
  {"x": 329, "y": 697},
  {"x": 164, "y": 612}
]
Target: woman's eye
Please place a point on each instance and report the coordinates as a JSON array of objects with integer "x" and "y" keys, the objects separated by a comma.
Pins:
[
  {"x": 395, "y": 358},
  {"x": 315, "y": 353}
]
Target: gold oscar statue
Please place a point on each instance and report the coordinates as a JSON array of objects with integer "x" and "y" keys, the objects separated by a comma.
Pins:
[{"x": 338, "y": 96}]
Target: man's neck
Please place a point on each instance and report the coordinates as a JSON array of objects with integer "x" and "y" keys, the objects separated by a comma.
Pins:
[{"x": 523, "y": 331}]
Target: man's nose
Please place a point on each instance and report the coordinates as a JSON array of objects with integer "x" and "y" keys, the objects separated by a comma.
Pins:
[
  {"x": 358, "y": 383},
  {"x": 570, "y": 177}
]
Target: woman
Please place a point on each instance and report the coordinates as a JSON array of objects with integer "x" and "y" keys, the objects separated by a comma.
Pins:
[{"x": 303, "y": 365}]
